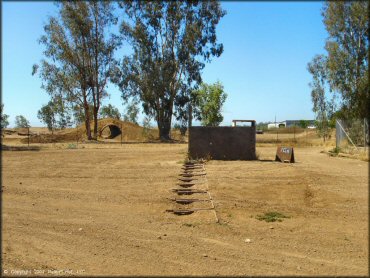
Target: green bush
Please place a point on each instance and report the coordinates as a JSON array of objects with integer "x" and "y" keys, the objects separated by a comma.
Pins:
[{"x": 272, "y": 216}]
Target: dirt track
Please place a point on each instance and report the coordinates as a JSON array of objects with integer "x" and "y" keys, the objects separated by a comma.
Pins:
[{"x": 100, "y": 211}]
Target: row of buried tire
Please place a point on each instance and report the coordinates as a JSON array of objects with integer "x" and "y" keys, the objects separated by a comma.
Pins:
[{"x": 193, "y": 177}]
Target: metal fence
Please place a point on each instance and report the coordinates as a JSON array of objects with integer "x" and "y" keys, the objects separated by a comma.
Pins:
[{"x": 353, "y": 133}]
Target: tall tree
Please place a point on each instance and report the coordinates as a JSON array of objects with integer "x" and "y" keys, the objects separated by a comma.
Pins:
[
  {"x": 209, "y": 99},
  {"x": 79, "y": 56},
  {"x": 103, "y": 63},
  {"x": 171, "y": 42},
  {"x": 323, "y": 105},
  {"x": 347, "y": 69},
  {"x": 21, "y": 122},
  {"x": 47, "y": 115},
  {"x": 55, "y": 114},
  {"x": 4, "y": 118}
]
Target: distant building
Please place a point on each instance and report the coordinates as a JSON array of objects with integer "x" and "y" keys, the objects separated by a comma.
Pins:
[
  {"x": 250, "y": 122},
  {"x": 276, "y": 125},
  {"x": 290, "y": 123}
]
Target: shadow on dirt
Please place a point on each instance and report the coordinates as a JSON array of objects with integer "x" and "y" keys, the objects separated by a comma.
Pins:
[
  {"x": 20, "y": 148},
  {"x": 265, "y": 160}
]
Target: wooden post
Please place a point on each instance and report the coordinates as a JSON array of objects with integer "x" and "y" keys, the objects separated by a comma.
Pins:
[
  {"x": 121, "y": 134},
  {"x": 28, "y": 128}
]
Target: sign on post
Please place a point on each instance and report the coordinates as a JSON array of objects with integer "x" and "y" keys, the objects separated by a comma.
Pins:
[{"x": 285, "y": 154}]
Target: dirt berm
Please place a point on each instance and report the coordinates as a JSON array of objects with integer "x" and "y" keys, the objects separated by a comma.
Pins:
[{"x": 130, "y": 133}]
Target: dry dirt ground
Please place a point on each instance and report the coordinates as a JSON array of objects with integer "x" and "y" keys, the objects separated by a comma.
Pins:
[{"x": 100, "y": 210}]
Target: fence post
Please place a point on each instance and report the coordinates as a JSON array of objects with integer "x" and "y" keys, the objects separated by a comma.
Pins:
[
  {"x": 121, "y": 134},
  {"x": 28, "y": 128}
]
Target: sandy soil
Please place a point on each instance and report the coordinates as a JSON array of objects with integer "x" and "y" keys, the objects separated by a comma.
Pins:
[{"x": 101, "y": 211}]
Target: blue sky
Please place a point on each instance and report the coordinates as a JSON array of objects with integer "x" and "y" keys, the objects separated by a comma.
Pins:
[{"x": 267, "y": 46}]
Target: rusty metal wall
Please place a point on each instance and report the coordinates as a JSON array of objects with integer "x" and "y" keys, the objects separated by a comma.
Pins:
[{"x": 222, "y": 143}]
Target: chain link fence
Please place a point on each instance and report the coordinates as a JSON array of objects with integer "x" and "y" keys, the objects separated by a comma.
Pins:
[{"x": 352, "y": 133}]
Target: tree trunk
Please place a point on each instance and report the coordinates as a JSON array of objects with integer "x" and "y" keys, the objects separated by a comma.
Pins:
[
  {"x": 87, "y": 119},
  {"x": 88, "y": 129},
  {"x": 164, "y": 126},
  {"x": 95, "y": 123}
]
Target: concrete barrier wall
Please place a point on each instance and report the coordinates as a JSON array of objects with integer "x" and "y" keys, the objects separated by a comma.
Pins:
[{"x": 222, "y": 143}]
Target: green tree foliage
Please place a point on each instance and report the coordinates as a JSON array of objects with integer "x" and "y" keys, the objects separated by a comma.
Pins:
[
  {"x": 109, "y": 111},
  {"x": 55, "y": 114},
  {"x": 262, "y": 126},
  {"x": 47, "y": 115},
  {"x": 132, "y": 112},
  {"x": 304, "y": 123},
  {"x": 4, "y": 118},
  {"x": 323, "y": 107},
  {"x": 171, "y": 42},
  {"x": 346, "y": 64},
  {"x": 347, "y": 23},
  {"x": 181, "y": 126},
  {"x": 209, "y": 99},
  {"x": 64, "y": 118},
  {"x": 79, "y": 116},
  {"x": 146, "y": 126},
  {"x": 79, "y": 51},
  {"x": 21, "y": 122}
]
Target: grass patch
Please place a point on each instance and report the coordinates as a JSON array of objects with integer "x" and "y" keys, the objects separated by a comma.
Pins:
[
  {"x": 335, "y": 151},
  {"x": 71, "y": 146},
  {"x": 272, "y": 216}
]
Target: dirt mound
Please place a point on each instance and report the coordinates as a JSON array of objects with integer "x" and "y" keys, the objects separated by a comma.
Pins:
[
  {"x": 8, "y": 132},
  {"x": 130, "y": 133}
]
